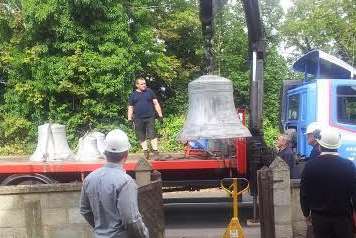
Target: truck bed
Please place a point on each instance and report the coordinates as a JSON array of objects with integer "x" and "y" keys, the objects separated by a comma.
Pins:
[{"x": 21, "y": 164}]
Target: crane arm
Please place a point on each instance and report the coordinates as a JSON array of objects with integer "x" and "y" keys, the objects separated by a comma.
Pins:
[
  {"x": 208, "y": 8},
  {"x": 257, "y": 52}
]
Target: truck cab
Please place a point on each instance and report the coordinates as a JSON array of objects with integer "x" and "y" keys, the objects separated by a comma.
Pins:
[{"x": 326, "y": 95}]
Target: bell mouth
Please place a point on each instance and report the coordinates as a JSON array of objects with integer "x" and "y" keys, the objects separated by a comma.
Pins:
[{"x": 213, "y": 132}]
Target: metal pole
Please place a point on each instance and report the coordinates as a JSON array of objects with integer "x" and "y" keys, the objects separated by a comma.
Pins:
[
  {"x": 234, "y": 196},
  {"x": 255, "y": 217}
]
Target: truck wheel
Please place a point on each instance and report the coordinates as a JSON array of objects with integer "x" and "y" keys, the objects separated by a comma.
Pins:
[{"x": 26, "y": 179}]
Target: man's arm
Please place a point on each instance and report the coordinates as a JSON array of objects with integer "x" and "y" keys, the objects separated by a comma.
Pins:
[
  {"x": 157, "y": 107},
  {"x": 304, "y": 203},
  {"x": 85, "y": 208},
  {"x": 130, "y": 108},
  {"x": 128, "y": 207},
  {"x": 129, "y": 113}
]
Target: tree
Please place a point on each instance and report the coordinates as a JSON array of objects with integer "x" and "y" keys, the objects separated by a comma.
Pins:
[
  {"x": 73, "y": 62},
  {"x": 329, "y": 25},
  {"x": 231, "y": 50},
  {"x": 178, "y": 26},
  {"x": 232, "y": 56}
]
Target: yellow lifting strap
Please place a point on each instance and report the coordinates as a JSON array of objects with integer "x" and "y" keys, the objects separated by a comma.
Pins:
[{"x": 234, "y": 229}]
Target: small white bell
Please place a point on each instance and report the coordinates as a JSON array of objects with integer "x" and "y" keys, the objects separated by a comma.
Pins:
[
  {"x": 100, "y": 140},
  {"x": 52, "y": 144},
  {"x": 88, "y": 149},
  {"x": 44, "y": 142}
]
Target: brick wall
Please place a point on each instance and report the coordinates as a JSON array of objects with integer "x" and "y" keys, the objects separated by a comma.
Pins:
[
  {"x": 281, "y": 199},
  {"x": 41, "y": 211},
  {"x": 298, "y": 220},
  {"x": 47, "y": 211},
  {"x": 288, "y": 217}
]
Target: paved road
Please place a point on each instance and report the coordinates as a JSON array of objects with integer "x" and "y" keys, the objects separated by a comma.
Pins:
[{"x": 204, "y": 220}]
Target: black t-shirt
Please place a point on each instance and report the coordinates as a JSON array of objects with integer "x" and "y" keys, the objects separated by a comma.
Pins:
[{"x": 142, "y": 103}]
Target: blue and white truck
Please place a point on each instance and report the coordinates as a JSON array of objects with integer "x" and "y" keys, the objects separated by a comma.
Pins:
[{"x": 326, "y": 95}]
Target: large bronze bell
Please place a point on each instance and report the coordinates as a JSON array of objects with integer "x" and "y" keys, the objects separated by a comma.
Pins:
[{"x": 212, "y": 113}]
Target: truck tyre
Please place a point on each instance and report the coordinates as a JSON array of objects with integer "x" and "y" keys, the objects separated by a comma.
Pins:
[{"x": 26, "y": 179}]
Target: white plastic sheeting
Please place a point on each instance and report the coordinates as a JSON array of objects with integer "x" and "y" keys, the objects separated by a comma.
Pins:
[
  {"x": 212, "y": 113},
  {"x": 88, "y": 148},
  {"x": 100, "y": 140},
  {"x": 52, "y": 144}
]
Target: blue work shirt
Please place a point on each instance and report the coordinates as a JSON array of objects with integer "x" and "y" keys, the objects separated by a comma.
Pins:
[
  {"x": 142, "y": 103},
  {"x": 109, "y": 203}
]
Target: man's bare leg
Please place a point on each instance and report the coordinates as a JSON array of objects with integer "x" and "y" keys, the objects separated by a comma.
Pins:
[{"x": 145, "y": 149}]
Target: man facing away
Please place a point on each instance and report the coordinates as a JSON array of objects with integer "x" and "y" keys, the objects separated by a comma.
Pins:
[
  {"x": 328, "y": 189},
  {"x": 141, "y": 110},
  {"x": 313, "y": 129},
  {"x": 108, "y": 199}
]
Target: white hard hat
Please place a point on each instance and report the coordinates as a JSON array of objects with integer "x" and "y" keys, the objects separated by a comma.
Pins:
[
  {"x": 117, "y": 141},
  {"x": 329, "y": 138},
  {"x": 312, "y": 127}
]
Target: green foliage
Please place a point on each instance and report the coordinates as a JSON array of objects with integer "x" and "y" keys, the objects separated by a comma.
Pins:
[
  {"x": 276, "y": 71},
  {"x": 272, "y": 16},
  {"x": 178, "y": 26},
  {"x": 169, "y": 132},
  {"x": 329, "y": 25},
  {"x": 17, "y": 131},
  {"x": 271, "y": 132},
  {"x": 16, "y": 149},
  {"x": 74, "y": 62},
  {"x": 231, "y": 48},
  {"x": 231, "y": 51}
]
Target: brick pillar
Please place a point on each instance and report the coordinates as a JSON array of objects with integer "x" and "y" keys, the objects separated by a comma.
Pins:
[
  {"x": 282, "y": 199},
  {"x": 150, "y": 199},
  {"x": 143, "y": 172},
  {"x": 266, "y": 207}
]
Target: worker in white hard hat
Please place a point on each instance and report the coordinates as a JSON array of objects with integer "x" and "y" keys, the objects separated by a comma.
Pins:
[
  {"x": 313, "y": 129},
  {"x": 328, "y": 189},
  {"x": 109, "y": 196}
]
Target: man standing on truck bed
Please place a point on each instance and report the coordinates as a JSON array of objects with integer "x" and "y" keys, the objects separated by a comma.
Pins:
[
  {"x": 108, "y": 199},
  {"x": 141, "y": 111},
  {"x": 328, "y": 189}
]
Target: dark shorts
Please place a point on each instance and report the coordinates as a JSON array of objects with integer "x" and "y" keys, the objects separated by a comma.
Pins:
[
  {"x": 145, "y": 128},
  {"x": 332, "y": 227}
]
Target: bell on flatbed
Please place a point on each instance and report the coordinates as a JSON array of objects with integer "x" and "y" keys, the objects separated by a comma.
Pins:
[
  {"x": 88, "y": 149},
  {"x": 212, "y": 113},
  {"x": 100, "y": 140},
  {"x": 52, "y": 144}
]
